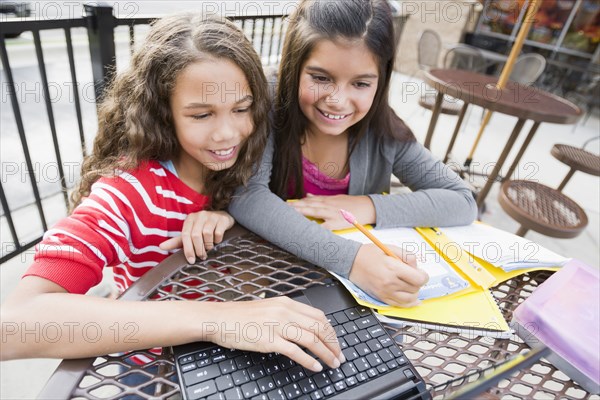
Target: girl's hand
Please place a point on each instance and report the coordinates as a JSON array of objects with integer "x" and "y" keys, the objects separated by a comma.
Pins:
[
  {"x": 200, "y": 232},
  {"x": 390, "y": 280},
  {"x": 328, "y": 208},
  {"x": 277, "y": 325}
]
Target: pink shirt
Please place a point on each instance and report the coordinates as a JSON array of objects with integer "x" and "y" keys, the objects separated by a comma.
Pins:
[{"x": 319, "y": 183}]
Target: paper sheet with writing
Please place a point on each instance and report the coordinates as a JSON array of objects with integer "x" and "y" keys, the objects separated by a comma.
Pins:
[
  {"x": 443, "y": 280},
  {"x": 501, "y": 248}
]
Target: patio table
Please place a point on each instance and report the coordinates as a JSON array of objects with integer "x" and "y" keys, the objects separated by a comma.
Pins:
[
  {"x": 257, "y": 268},
  {"x": 521, "y": 101}
]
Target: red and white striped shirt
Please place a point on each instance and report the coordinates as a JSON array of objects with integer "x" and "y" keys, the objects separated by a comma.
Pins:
[{"x": 121, "y": 224}]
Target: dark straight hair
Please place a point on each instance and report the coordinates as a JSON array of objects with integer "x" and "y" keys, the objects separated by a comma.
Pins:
[{"x": 313, "y": 21}]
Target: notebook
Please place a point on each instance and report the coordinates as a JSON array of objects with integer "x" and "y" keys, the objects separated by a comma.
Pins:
[{"x": 375, "y": 366}]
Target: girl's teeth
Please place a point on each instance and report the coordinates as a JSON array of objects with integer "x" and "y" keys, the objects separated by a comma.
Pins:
[
  {"x": 332, "y": 116},
  {"x": 223, "y": 152}
]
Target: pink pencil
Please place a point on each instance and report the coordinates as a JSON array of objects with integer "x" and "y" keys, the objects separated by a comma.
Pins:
[{"x": 351, "y": 219}]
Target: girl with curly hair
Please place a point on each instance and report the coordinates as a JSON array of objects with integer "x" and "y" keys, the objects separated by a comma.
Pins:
[{"x": 179, "y": 130}]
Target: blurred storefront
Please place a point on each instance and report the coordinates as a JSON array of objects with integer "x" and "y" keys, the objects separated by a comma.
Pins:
[{"x": 566, "y": 32}]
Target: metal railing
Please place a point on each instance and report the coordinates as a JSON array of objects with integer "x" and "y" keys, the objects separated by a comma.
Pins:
[{"x": 265, "y": 32}]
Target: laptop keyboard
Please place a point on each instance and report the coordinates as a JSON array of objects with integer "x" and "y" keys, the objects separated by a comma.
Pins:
[{"x": 219, "y": 373}]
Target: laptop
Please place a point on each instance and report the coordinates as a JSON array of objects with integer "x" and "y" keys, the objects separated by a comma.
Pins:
[{"x": 375, "y": 366}]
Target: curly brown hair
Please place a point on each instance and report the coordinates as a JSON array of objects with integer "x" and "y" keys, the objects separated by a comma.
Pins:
[{"x": 134, "y": 118}]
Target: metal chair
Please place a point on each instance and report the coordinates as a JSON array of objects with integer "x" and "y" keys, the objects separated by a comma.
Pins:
[
  {"x": 428, "y": 49},
  {"x": 458, "y": 57},
  {"x": 528, "y": 68},
  {"x": 465, "y": 57}
]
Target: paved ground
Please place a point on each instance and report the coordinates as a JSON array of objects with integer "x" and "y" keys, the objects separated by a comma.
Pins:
[{"x": 24, "y": 379}]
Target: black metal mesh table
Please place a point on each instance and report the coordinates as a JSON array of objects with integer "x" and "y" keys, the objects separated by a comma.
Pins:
[{"x": 247, "y": 267}]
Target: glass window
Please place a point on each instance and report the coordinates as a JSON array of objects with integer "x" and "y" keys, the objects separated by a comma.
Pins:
[
  {"x": 550, "y": 20},
  {"x": 584, "y": 33}
]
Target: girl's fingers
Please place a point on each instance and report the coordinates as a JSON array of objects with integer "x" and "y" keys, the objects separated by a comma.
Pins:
[
  {"x": 186, "y": 240},
  {"x": 208, "y": 233},
  {"x": 222, "y": 226},
  {"x": 310, "y": 341},
  {"x": 294, "y": 352},
  {"x": 171, "y": 244}
]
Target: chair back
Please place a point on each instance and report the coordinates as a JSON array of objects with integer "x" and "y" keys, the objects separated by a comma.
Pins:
[
  {"x": 528, "y": 68},
  {"x": 428, "y": 51},
  {"x": 465, "y": 57}
]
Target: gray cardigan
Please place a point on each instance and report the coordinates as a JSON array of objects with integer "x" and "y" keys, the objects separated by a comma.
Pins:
[{"x": 439, "y": 198}]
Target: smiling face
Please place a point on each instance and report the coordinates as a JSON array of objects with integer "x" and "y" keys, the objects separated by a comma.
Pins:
[
  {"x": 338, "y": 83},
  {"x": 211, "y": 107}
]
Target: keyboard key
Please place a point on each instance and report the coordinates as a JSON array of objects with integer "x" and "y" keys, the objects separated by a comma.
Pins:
[
  {"x": 250, "y": 389},
  {"x": 382, "y": 368},
  {"x": 240, "y": 377},
  {"x": 328, "y": 390},
  {"x": 186, "y": 359},
  {"x": 343, "y": 343},
  {"x": 362, "y": 349},
  {"x": 376, "y": 331},
  {"x": 350, "y": 354},
  {"x": 277, "y": 394},
  {"x": 340, "y": 317},
  {"x": 352, "y": 339},
  {"x": 260, "y": 397},
  {"x": 234, "y": 394},
  {"x": 396, "y": 351},
  {"x": 339, "y": 330},
  {"x": 392, "y": 364},
  {"x": 366, "y": 322},
  {"x": 201, "y": 375},
  {"x": 202, "y": 354},
  {"x": 266, "y": 384},
  {"x": 374, "y": 345},
  {"x": 351, "y": 327},
  {"x": 227, "y": 366},
  {"x": 243, "y": 361},
  {"x": 256, "y": 372},
  {"x": 203, "y": 363},
  {"x": 349, "y": 369},
  {"x": 286, "y": 363},
  {"x": 272, "y": 367},
  {"x": 362, "y": 377},
  {"x": 307, "y": 385},
  {"x": 340, "y": 386},
  {"x": 335, "y": 374},
  {"x": 297, "y": 373},
  {"x": 282, "y": 378},
  {"x": 219, "y": 358},
  {"x": 351, "y": 313},
  {"x": 373, "y": 359},
  {"x": 224, "y": 382},
  {"x": 363, "y": 335},
  {"x": 202, "y": 390},
  {"x": 321, "y": 379},
  {"x": 318, "y": 395},
  {"x": 258, "y": 358},
  {"x": 408, "y": 373},
  {"x": 363, "y": 311},
  {"x": 385, "y": 355},
  {"x": 216, "y": 351},
  {"x": 385, "y": 341},
  {"x": 351, "y": 381},
  {"x": 188, "y": 367},
  {"x": 361, "y": 364},
  {"x": 292, "y": 391},
  {"x": 372, "y": 372}
]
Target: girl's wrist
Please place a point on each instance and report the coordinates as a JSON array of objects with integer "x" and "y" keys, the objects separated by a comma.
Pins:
[{"x": 367, "y": 213}]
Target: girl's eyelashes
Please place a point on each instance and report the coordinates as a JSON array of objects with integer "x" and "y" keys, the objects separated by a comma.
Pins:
[
  {"x": 242, "y": 110},
  {"x": 201, "y": 116},
  {"x": 363, "y": 84},
  {"x": 319, "y": 78}
]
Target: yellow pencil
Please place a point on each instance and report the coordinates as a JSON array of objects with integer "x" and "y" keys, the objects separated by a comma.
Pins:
[{"x": 351, "y": 219}]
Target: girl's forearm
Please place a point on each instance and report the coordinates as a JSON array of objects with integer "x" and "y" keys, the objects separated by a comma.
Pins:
[{"x": 61, "y": 325}]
